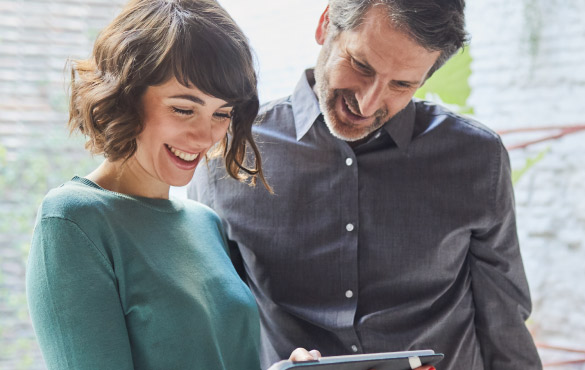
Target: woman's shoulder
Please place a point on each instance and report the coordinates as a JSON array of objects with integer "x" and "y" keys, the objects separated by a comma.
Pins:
[
  {"x": 71, "y": 200},
  {"x": 197, "y": 209}
]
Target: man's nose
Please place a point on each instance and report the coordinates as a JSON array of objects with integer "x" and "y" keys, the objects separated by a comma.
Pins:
[{"x": 371, "y": 97}]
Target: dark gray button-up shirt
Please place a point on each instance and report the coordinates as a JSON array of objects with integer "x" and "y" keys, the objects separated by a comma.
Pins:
[{"x": 405, "y": 242}]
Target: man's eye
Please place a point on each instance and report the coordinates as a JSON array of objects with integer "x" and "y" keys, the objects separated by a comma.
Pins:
[
  {"x": 360, "y": 66},
  {"x": 185, "y": 112},
  {"x": 403, "y": 85}
]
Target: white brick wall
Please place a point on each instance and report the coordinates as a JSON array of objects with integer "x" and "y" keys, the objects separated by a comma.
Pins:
[
  {"x": 529, "y": 61},
  {"x": 529, "y": 70}
]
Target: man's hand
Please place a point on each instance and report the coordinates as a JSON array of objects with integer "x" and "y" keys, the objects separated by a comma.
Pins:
[{"x": 301, "y": 354}]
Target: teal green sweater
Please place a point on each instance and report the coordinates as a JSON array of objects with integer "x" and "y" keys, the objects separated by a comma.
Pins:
[{"x": 121, "y": 282}]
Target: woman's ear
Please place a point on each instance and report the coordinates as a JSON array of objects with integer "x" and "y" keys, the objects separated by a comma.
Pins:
[{"x": 321, "y": 32}]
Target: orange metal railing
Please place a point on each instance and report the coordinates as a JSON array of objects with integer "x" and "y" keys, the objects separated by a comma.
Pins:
[
  {"x": 560, "y": 131},
  {"x": 577, "y": 361}
]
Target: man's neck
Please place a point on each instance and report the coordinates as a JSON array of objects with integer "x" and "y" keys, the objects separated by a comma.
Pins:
[{"x": 356, "y": 143}]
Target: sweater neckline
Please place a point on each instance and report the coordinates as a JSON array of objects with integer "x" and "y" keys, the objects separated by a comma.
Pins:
[{"x": 163, "y": 205}]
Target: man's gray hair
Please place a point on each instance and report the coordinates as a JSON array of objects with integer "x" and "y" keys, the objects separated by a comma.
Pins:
[{"x": 437, "y": 25}]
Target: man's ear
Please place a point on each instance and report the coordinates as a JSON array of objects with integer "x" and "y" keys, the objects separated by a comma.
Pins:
[{"x": 321, "y": 32}]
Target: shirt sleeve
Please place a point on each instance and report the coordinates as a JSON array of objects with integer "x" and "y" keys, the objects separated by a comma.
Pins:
[
  {"x": 202, "y": 189},
  {"x": 499, "y": 285},
  {"x": 201, "y": 186},
  {"x": 73, "y": 300}
]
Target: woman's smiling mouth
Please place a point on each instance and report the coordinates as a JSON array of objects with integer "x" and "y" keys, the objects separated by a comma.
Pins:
[
  {"x": 187, "y": 157},
  {"x": 183, "y": 160}
]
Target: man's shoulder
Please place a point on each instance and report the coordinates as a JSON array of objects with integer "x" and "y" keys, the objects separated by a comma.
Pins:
[
  {"x": 280, "y": 103},
  {"x": 432, "y": 114},
  {"x": 275, "y": 110},
  {"x": 275, "y": 119}
]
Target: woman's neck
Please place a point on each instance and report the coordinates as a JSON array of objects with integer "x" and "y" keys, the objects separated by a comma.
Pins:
[{"x": 129, "y": 178}]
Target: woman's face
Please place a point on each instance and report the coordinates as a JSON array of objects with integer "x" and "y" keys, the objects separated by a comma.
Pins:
[{"x": 180, "y": 125}]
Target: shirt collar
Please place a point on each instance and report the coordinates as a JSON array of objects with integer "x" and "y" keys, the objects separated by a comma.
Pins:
[
  {"x": 401, "y": 126},
  {"x": 306, "y": 110},
  {"x": 305, "y": 105}
]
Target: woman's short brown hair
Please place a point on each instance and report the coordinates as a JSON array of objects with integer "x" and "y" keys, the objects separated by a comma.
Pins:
[{"x": 146, "y": 44}]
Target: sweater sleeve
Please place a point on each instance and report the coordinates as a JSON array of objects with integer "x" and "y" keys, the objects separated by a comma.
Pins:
[{"x": 73, "y": 300}]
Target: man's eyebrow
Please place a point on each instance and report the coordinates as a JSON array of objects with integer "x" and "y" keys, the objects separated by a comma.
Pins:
[{"x": 196, "y": 99}]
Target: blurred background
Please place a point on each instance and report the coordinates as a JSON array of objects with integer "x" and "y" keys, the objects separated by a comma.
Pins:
[{"x": 523, "y": 75}]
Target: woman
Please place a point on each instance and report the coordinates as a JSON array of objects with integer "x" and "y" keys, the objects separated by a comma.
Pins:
[{"x": 119, "y": 276}]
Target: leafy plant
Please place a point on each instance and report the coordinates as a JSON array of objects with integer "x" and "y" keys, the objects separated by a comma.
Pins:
[
  {"x": 450, "y": 83},
  {"x": 530, "y": 162}
]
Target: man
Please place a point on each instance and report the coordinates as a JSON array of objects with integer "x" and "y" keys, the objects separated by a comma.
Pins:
[{"x": 392, "y": 225}]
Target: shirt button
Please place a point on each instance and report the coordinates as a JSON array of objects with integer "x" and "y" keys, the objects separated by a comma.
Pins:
[
  {"x": 377, "y": 135},
  {"x": 349, "y": 227},
  {"x": 354, "y": 348},
  {"x": 349, "y": 294},
  {"x": 349, "y": 162}
]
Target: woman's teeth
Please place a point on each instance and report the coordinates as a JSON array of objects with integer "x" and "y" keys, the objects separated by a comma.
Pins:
[{"x": 184, "y": 156}]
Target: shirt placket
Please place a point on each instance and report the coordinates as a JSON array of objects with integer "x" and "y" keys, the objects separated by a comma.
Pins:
[{"x": 349, "y": 227}]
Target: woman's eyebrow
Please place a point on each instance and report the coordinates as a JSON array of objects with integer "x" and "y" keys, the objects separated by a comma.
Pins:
[
  {"x": 196, "y": 100},
  {"x": 190, "y": 97}
]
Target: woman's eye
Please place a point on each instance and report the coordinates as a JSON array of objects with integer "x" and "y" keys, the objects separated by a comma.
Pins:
[
  {"x": 223, "y": 116},
  {"x": 185, "y": 112}
]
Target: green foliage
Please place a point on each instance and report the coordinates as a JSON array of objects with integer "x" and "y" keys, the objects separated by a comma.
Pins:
[
  {"x": 534, "y": 22},
  {"x": 450, "y": 83},
  {"x": 2, "y": 155},
  {"x": 530, "y": 162},
  {"x": 25, "y": 177}
]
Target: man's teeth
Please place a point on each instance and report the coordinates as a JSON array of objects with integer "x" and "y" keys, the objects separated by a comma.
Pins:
[
  {"x": 184, "y": 156},
  {"x": 349, "y": 108}
]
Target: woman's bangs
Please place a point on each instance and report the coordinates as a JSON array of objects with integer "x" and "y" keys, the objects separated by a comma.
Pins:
[{"x": 216, "y": 66}]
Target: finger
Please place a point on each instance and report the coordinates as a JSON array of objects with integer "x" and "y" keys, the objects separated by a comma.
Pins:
[
  {"x": 316, "y": 354},
  {"x": 301, "y": 354}
]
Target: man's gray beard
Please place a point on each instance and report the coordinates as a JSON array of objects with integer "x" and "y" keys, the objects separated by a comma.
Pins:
[
  {"x": 330, "y": 123},
  {"x": 328, "y": 107}
]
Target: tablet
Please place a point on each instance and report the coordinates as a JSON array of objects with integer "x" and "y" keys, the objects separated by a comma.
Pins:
[{"x": 406, "y": 360}]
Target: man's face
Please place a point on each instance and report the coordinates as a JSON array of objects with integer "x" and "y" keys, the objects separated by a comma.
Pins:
[{"x": 367, "y": 75}]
